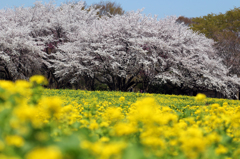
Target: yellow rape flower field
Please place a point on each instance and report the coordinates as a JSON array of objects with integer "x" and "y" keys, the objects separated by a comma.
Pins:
[{"x": 38, "y": 123}]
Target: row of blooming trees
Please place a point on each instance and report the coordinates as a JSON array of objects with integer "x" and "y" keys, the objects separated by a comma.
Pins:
[
  {"x": 119, "y": 51},
  {"x": 26, "y": 34}
]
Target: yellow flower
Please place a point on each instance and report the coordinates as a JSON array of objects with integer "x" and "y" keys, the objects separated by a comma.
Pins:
[
  {"x": 93, "y": 125},
  {"x": 121, "y": 99},
  {"x": 7, "y": 84},
  {"x": 112, "y": 149},
  {"x": 84, "y": 123},
  {"x": 38, "y": 79},
  {"x": 221, "y": 150},
  {"x": 22, "y": 84},
  {"x": 169, "y": 118},
  {"x": 193, "y": 146},
  {"x": 52, "y": 105},
  {"x": 15, "y": 140},
  {"x": 67, "y": 109},
  {"x": 144, "y": 110},
  {"x": 215, "y": 106},
  {"x": 225, "y": 104},
  {"x": 113, "y": 114},
  {"x": 104, "y": 139},
  {"x": 200, "y": 97},
  {"x": 173, "y": 142},
  {"x": 124, "y": 129},
  {"x": 104, "y": 124},
  {"x": 104, "y": 150},
  {"x": 25, "y": 112},
  {"x": 153, "y": 141},
  {"x": 45, "y": 153},
  {"x": 213, "y": 138}
]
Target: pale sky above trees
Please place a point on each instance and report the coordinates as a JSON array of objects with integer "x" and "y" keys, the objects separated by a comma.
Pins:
[{"x": 162, "y": 8}]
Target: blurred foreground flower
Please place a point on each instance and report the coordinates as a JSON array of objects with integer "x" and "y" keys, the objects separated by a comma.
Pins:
[
  {"x": 15, "y": 140},
  {"x": 46, "y": 153},
  {"x": 121, "y": 99},
  {"x": 200, "y": 97},
  {"x": 38, "y": 79}
]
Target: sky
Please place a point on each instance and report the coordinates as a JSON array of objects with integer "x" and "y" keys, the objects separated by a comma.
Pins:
[{"x": 162, "y": 8}]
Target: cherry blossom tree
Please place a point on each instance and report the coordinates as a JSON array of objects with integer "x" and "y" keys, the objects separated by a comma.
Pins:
[
  {"x": 20, "y": 54},
  {"x": 27, "y": 34},
  {"x": 121, "y": 50},
  {"x": 105, "y": 51},
  {"x": 189, "y": 60}
]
